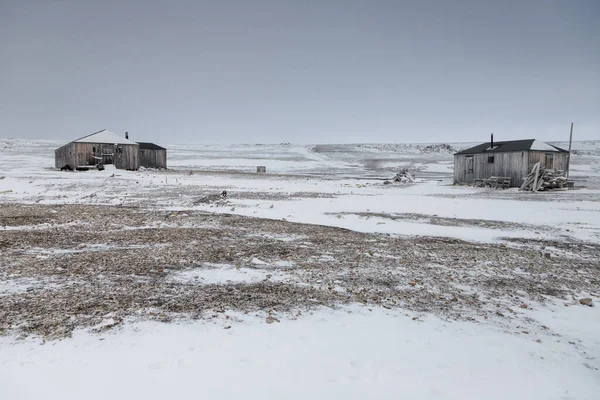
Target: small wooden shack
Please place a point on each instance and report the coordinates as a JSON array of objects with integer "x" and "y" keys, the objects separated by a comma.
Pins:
[
  {"x": 512, "y": 159},
  {"x": 103, "y": 147},
  {"x": 152, "y": 155}
]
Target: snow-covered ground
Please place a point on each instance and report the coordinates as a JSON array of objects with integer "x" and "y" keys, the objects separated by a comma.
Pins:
[
  {"x": 337, "y": 185},
  {"x": 349, "y": 351}
]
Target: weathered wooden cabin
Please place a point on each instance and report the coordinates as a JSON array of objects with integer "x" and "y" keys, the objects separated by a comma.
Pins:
[
  {"x": 100, "y": 147},
  {"x": 513, "y": 159},
  {"x": 152, "y": 155}
]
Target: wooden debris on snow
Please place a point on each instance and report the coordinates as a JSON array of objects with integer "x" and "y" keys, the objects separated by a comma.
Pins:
[
  {"x": 540, "y": 179},
  {"x": 404, "y": 177},
  {"x": 497, "y": 182}
]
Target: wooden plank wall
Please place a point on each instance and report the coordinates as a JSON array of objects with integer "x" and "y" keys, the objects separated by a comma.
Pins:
[
  {"x": 84, "y": 153},
  {"x": 103, "y": 150},
  {"x": 127, "y": 156},
  {"x": 78, "y": 154},
  {"x": 153, "y": 158},
  {"x": 512, "y": 164},
  {"x": 535, "y": 157},
  {"x": 560, "y": 160},
  {"x": 64, "y": 156},
  {"x": 460, "y": 169}
]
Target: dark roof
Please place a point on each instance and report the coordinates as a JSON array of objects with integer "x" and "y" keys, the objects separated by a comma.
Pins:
[
  {"x": 512, "y": 145},
  {"x": 150, "y": 146}
]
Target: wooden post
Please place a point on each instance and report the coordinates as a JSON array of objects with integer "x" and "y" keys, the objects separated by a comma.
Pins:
[
  {"x": 569, "y": 156},
  {"x": 536, "y": 169}
]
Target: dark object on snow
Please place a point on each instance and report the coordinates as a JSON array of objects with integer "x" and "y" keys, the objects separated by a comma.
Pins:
[
  {"x": 100, "y": 167},
  {"x": 217, "y": 199},
  {"x": 66, "y": 168},
  {"x": 261, "y": 169}
]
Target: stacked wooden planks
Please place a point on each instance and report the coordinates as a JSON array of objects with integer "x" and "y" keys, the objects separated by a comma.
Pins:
[
  {"x": 540, "y": 179},
  {"x": 496, "y": 182}
]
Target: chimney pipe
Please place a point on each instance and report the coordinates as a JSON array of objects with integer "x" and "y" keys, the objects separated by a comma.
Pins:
[
  {"x": 126, "y": 135},
  {"x": 492, "y": 142}
]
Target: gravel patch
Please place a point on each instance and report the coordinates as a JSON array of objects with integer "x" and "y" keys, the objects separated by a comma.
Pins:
[{"x": 92, "y": 263}]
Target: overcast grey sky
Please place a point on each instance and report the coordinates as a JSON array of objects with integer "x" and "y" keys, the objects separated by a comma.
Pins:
[{"x": 326, "y": 71}]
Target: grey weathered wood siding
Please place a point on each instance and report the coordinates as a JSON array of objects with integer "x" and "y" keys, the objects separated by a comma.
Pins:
[
  {"x": 153, "y": 158},
  {"x": 558, "y": 160},
  {"x": 127, "y": 156},
  {"x": 80, "y": 154},
  {"x": 516, "y": 164},
  {"x": 561, "y": 160},
  {"x": 64, "y": 156},
  {"x": 513, "y": 164}
]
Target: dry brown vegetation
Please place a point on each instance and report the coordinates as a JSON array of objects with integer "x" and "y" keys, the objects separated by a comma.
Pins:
[{"x": 69, "y": 266}]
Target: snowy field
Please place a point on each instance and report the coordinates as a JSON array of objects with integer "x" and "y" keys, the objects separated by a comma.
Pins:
[{"x": 313, "y": 280}]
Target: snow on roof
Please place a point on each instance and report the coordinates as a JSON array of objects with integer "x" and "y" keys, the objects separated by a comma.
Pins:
[
  {"x": 542, "y": 146},
  {"x": 104, "y": 136}
]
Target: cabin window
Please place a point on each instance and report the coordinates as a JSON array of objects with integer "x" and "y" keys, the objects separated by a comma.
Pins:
[
  {"x": 490, "y": 159},
  {"x": 119, "y": 150},
  {"x": 469, "y": 164},
  {"x": 549, "y": 160}
]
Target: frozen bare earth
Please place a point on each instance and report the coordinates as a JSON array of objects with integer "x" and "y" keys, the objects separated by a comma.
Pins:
[{"x": 314, "y": 280}]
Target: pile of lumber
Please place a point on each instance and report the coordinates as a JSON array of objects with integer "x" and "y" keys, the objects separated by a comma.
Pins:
[
  {"x": 404, "y": 177},
  {"x": 540, "y": 179},
  {"x": 496, "y": 182}
]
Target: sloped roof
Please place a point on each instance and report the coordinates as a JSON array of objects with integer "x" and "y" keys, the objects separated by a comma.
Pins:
[
  {"x": 104, "y": 136},
  {"x": 513, "y": 145},
  {"x": 150, "y": 146},
  {"x": 542, "y": 146}
]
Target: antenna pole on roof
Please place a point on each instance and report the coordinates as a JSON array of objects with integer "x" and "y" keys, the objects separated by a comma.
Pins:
[
  {"x": 569, "y": 156},
  {"x": 492, "y": 142}
]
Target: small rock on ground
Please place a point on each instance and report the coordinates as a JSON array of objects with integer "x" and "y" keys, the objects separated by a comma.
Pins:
[{"x": 586, "y": 301}]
